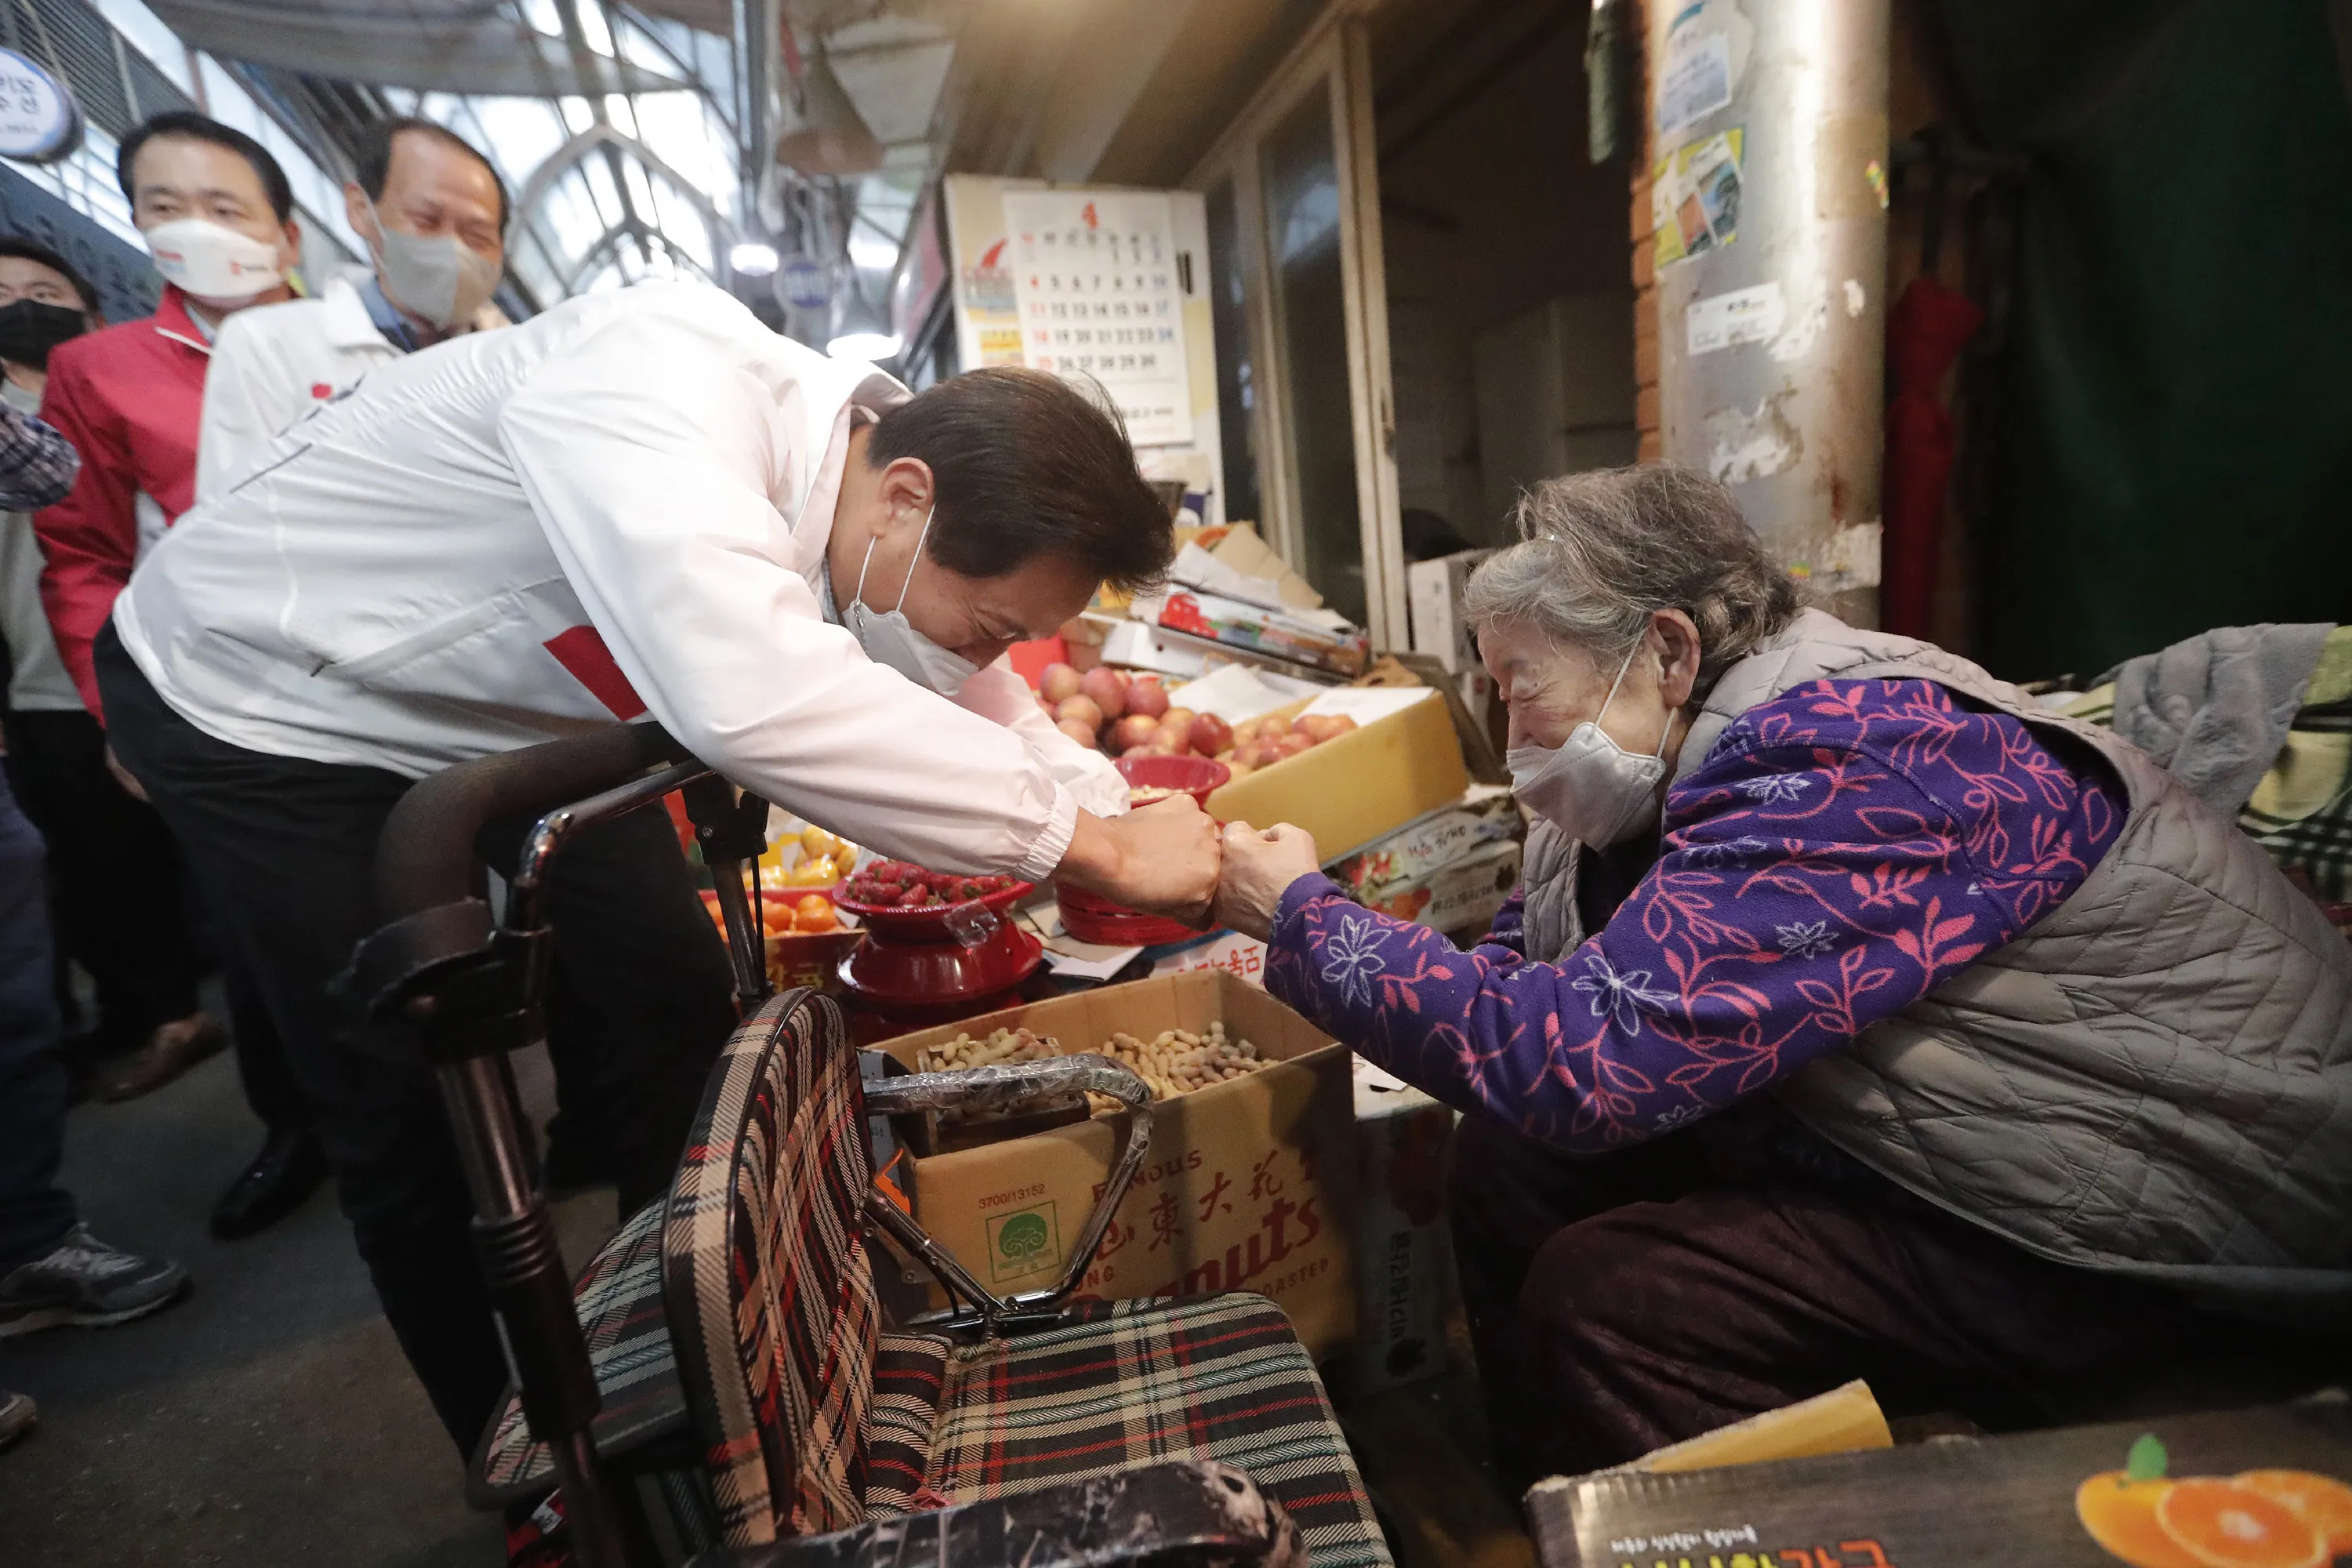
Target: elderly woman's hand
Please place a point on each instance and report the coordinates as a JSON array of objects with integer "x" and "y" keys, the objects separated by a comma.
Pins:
[{"x": 1259, "y": 869}]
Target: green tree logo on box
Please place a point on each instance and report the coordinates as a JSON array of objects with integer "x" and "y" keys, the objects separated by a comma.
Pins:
[{"x": 1027, "y": 1242}]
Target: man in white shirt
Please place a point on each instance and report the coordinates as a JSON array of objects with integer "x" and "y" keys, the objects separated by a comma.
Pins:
[
  {"x": 640, "y": 503},
  {"x": 433, "y": 212}
]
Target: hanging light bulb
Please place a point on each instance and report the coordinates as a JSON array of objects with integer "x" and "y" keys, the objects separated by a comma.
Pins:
[
  {"x": 858, "y": 329},
  {"x": 752, "y": 258},
  {"x": 833, "y": 138}
]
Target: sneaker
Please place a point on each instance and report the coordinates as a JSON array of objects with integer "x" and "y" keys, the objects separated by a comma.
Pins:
[
  {"x": 88, "y": 1284},
  {"x": 170, "y": 1050},
  {"x": 17, "y": 1415},
  {"x": 537, "y": 1535}
]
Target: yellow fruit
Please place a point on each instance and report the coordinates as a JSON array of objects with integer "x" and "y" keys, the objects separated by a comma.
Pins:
[
  {"x": 2225, "y": 1525},
  {"x": 2120, "y": 1514},
  {"x": 815, "y": 841},
  {"x": 2322, "y": 1502},
  {"x": 816, "y": 873}
]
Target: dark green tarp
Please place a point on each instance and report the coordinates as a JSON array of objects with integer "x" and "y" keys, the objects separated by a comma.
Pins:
[{"x": 2173, "y": 441}]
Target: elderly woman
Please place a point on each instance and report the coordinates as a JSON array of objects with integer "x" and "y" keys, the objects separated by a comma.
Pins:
[{"x": 1857, "y": 1019}]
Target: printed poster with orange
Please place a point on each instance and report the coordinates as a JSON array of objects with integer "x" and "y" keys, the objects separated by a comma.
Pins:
[{"x": 2269, "y": 1487}]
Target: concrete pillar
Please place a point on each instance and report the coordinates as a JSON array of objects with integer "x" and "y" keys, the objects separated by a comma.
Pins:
[{"x": 1768, "y": 118}]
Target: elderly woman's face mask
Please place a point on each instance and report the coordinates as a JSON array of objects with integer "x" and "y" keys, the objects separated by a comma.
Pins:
[{"x": 1570, "y": 757}]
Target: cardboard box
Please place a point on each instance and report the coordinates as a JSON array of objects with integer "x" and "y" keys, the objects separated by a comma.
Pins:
[
  {"x": 1404, "y": 1254},
  {"x": 1958, "y": 1501},
  {"x": 1453, "y": 898},
  {"x": 1434, "y": 594},
  {"x": 1355, "y": 788},
  {"x": 1249, "y": 1185},
  {"x": 1227, "y": 952},
  {"x": 1485, "y": 815}
]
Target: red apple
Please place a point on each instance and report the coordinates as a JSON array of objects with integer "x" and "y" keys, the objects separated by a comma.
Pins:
[
  {"x": 1080, "y": 710},
  {"x": 1150, "y": 749},
  {"x": 1131, "y": 731},
  {"x": 1059, "y": 683},
  {"x": 1146, "y": 695},
  {"x": 1107, "y": 690},
  {"x": 1176, "y": 734},
  {"x": 1211, "y": 734},
  {"x": 1084, "y": 735},
  {"x": 1321, "y": 727}
]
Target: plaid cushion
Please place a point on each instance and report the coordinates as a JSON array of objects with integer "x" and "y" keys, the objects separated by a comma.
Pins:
[
  {"x": 910, "y": 1371},
  {"x": 764, "y": 1265},
  {"x": 1221, "y": 1377},
  {"x": 619, "y": 1299}
]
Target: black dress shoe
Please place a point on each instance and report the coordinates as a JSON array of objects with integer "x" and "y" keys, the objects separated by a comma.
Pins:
[{"x": 287, "y": 1171}]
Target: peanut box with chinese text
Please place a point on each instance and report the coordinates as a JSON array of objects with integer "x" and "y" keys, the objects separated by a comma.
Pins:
[{"x": 1250, "y": 1185}]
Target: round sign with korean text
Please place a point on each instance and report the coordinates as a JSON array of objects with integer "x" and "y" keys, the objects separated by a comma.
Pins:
[
  {"x": 38, "y": 120},
  {"x": 803, "y": 284}
]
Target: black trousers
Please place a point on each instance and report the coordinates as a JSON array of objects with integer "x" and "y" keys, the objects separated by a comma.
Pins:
[
  {"x": 117, "y": 894},
  {"x": 639, "y": 1003},
  {"x": 35, "y": 1212},
  {"x": 1621, "y": 1302}
]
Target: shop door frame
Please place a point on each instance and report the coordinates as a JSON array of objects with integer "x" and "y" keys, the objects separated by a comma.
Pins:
[{"x": 1334, "y": 59}]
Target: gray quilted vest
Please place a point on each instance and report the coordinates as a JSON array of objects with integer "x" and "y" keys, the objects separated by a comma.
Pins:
[{"x": 2156, "y": 1079}]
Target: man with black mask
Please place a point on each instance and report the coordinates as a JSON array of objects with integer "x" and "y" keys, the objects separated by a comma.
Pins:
[{"x": 117, "y": 896}]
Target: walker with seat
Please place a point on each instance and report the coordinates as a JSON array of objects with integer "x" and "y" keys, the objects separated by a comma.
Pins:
[{"x": 724, "y": 1349}]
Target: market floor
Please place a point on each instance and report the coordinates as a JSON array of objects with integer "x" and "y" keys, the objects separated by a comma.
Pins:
[{"x": 267, "y": 1418}]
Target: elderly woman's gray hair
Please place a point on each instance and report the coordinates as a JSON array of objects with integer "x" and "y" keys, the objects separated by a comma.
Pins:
[{"x": 1600, "y": 553}]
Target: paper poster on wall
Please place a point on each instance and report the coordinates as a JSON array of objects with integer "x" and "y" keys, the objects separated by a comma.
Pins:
[
  {"x": 1094, "y": 281},
  {"x": 1697, "y": 80},
  {"x": 1695, "y": 196},
  {"x": 1742, "y": 316}
]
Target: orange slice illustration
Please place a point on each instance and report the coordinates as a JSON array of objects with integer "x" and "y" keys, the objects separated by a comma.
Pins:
[
  {"x": 2225, "y": 1525},
  {"x": 2120, "y": 1514},
  {"x": 2322, "y": 1502}
]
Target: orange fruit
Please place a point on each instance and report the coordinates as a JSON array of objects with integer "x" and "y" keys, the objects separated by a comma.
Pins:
[
  {"x": 2120, "y": 1514},
  {"x": 2225, "y": 1525},
  {"x": 2322, "y": 1502}
]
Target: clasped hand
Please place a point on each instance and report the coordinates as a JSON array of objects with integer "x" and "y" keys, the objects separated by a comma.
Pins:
[{"x": 1169, "y": 858}]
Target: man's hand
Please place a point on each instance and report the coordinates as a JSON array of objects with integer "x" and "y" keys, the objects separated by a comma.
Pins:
[
  {"x": 1259, "y": 869},
  {"x": 1163, "y": 858},
  {"x": 131, "y": 786}
]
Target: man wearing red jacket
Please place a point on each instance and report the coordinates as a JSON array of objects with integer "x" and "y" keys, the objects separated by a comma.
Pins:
[{"x": 218, "y": 218}]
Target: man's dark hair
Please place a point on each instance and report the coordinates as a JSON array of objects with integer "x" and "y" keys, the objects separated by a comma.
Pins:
[
  {"x": 1025, "y": 465},
  {"x": 204, "y": 128},
  {"x": 25, "y": 249},
  {"x": 373, "y": 164}
]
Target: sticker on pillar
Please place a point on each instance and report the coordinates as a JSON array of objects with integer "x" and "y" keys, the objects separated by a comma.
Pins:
[
  {"x": 1745, "y": 444},
  {"x": 1742, "y": 316},
  {"x": 1695, "y": 196},
  {"x": 1852, "y": 561},
  {"x": 1705, "y": 55}
]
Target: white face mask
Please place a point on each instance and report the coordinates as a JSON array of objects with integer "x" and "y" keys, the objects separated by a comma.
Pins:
[
  {"x": 216, "y": 266},
  {"x": 891, "y": 639},
  {"x": 1588, "y": 786},
  {"x": 436, "y": 280}
]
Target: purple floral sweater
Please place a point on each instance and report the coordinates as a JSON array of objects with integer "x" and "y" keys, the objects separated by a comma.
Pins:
[{"x": 1843, "y": 849}]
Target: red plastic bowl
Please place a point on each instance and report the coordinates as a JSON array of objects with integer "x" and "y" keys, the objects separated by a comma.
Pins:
[
  {"x": 930, "y": 922},
  {"x": 1199, "y": 777},
  {"x": 1090, "y": 919},
  {"x": 923, "y": 973}
]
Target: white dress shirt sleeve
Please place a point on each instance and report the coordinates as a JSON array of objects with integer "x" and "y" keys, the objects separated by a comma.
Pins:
[{"x": 649, "y": 448}]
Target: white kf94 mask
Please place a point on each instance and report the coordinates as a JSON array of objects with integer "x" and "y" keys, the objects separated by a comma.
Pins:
[
  {"x": 1588, "y": 786},
  {"x": 888, "y": 637},
  {"x": 216, "y": 265}
]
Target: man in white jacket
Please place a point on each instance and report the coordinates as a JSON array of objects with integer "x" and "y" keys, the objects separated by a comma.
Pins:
[
  {"x": 640, "y": 503},
  {"x": 433, "y": 212}
]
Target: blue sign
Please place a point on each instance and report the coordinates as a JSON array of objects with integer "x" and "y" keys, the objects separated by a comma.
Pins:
[
  {"x": 803, "y": 285},
  {"x": 38, "y": 121}
]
